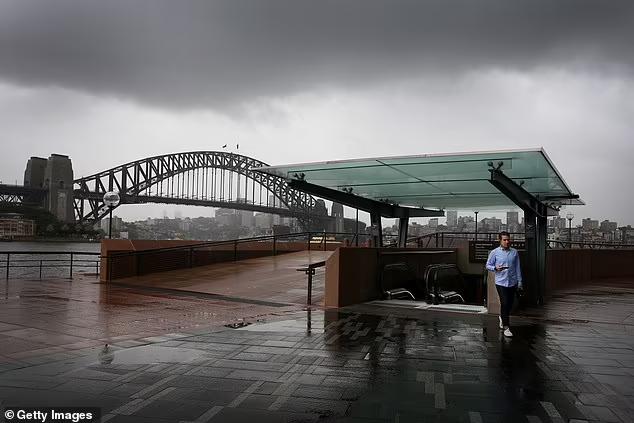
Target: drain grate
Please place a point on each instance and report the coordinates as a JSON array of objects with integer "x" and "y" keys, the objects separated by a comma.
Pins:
[{"x": 237, "y": 325}]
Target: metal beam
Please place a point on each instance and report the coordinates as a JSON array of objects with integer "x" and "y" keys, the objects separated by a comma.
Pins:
[
  {"x": 524, "y": 199},
  {"x": 403, "y": 225},
  {"x": 377, "y": 229},
  {"x": 365, "y": 204}
]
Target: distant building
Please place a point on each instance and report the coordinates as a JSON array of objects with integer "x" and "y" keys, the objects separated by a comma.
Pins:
[
  {"x": 466, "y": 223},
  {"x": 263, "y": 220},
  {"x": 588, "y": 224},
  {"x": 490, "y": 224},
  {"x": 247, "y": 219},
  {"x": 185, "y": 225},
  {"x": 513, "y": 221},
  {"x": 227, "y": 217},
  {"x": 512, "y": 218},
  {"x": 14, "y": 226},
  {"x": 433, "y": 222},
  {"x": 607, "y": 226},
  {"x": 452, "y": 219},
  {"x": 117, "y": 224},
  {"x": 558, "y": 222}
]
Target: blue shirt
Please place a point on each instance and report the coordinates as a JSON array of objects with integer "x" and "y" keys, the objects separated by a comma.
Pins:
[{"x": 508, "y": 277}]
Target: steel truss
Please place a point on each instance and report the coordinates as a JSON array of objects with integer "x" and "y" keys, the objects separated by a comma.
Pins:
[{"x": 205, "y": 178}]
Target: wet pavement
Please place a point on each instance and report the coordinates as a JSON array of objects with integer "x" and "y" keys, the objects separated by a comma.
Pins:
[
  {"x": 272, "y": 278},
  {"x": 171, "y": 360}
]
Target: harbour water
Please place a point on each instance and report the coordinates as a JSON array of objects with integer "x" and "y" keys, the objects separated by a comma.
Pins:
[
  {"x": 92, "y": 247},
  {"x": 34, "y": 260}
]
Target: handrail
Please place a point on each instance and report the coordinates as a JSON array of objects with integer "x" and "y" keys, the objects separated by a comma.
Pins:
[
  {"x": 437, "y": 239},
  {"x": 591, "y": 245},
  {"x": 72, "y": 262},
  {"x": 236, "y": 241},
  {"x": 310, "y": 272}
]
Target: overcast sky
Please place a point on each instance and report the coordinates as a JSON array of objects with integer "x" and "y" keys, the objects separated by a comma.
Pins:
[{"x": 107, "y": 82}]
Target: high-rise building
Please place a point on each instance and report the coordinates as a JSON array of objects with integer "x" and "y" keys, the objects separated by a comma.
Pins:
[
  {"x": 512, "y": 218},
  {"x": 558, "y": 222},
  {"x": 117, "y": 224},
  {"x": 452, "y": 218},
  {"x": 589, "y": 224},
  {"x": 491, "y": 224},
  {"x": 227, "y": 217},
  {"x": 607, "y": 226},
  {"x": 433, "y": 222},
  {"x": 264, "y": 220}
]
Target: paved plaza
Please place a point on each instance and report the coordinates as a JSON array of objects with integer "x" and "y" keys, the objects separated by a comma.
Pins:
[{"x": 185, "y": 357}]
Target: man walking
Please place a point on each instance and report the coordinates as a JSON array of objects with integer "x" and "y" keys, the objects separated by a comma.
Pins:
[{"x": 505, "y": 262}]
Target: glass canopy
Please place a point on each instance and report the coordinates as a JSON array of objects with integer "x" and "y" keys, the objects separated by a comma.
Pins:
[{"x": 438, "y": 181}]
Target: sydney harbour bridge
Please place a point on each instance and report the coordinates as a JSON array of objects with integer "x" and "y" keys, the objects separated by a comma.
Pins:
[{"x": 200, "y": 178}]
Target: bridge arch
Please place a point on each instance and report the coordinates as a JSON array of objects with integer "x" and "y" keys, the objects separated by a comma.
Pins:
[{"x": 205, "y": 178}]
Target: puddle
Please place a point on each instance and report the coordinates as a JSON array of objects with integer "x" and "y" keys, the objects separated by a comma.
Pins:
[
  {"x": 148, "y": 354},
  {"x": 287, "y": 326}
]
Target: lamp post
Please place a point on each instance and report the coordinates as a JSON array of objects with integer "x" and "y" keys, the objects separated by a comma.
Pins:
[
  {"x": 111, "y": 199},
  {"x": 570, "y": 216},
  {"x": 476, "y": 225}
]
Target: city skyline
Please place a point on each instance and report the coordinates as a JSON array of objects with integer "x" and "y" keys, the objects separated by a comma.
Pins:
[{"x": 364, "y": 217}]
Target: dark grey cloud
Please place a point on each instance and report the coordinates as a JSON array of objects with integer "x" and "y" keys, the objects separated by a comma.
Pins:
[{"x": 217, "y": 54}]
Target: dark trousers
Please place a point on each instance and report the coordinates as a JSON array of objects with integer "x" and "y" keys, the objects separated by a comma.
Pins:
[{"x": 507, "y": 296}]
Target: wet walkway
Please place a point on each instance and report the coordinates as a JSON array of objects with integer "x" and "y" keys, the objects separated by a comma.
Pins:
[
  {"x": 272, "y": 279},
  {"x": 572, "y": 363}
]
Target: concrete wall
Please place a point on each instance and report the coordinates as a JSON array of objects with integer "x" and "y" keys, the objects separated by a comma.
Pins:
[
  {"x": 148, "y": 260},
  {"x": 574, "y": 267},
  {"x": 462, "y": 246}
]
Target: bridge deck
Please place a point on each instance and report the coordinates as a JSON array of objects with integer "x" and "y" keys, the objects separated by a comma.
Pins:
[{"x": 267, "y": 279}]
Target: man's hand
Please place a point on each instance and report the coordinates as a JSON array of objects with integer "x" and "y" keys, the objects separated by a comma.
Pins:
[
  {"x": 500, "y": 267},
  {"x": 520, "y": 285}
]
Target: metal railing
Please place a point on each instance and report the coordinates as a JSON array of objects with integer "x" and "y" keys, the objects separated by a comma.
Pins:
[
  {"x": 447, "y": 240},
  {"x": 558, "y": 244},
  {"x": 310, "y": 270},
  {"x": 122, "y": 264},
  {"x": 17, "y": 264}
]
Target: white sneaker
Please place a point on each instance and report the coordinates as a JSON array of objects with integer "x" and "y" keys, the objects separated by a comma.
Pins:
[
  {"x": 508, "y": 333},
  {"x": 501, "y": 325}
]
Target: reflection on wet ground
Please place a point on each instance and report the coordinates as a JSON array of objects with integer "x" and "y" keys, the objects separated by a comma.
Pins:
[{"x": 571, "y": 361}]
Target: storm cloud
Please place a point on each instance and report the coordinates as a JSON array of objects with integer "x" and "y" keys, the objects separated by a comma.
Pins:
[{"x": 198, "y": 54}]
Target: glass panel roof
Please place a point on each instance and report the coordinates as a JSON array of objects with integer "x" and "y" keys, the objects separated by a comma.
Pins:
[{"x": 437, "y": 181}]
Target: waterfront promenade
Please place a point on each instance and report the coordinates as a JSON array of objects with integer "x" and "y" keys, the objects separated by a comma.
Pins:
[{"x": 171, "y": 357}]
